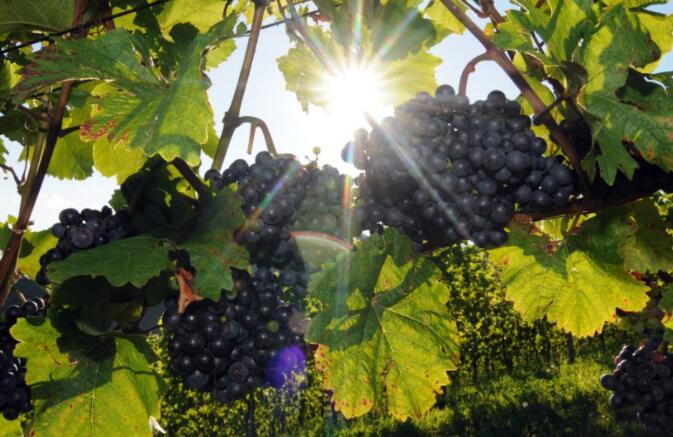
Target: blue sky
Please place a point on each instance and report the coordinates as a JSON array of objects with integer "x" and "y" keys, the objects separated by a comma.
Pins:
[{"x": 293, "y": 130}]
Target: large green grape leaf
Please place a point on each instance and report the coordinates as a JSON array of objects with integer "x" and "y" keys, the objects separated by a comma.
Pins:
[
  {"x": 35, "y": 15},
  {"x": 146, "y": 112},
  {"x": 399, "y": 58},
  {"x": 620, "y": 44},
  {"x": 35, "y": 244},
  {"x": 386, "y": 338},
  {"x": 577, "y": 282},
  {"x": 87, "y": 386},
  {"x": 211, "y": 246},
  {"x": 132, "y": 260}
]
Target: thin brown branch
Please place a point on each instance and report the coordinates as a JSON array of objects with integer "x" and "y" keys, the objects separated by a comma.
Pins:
[
  {"x": 300, "y": 26},
  {"x": 470, "y": 68},
  {"x": 529, "y": 94},
  {"x": 234, "y": 111},
  {"x": 10, "y": 255},
  {"x": 478, "y": 12},
  {"x": 191, "y": 177},
  {"x": 8, "y": 169},
  {"x": 261, "y": 124}
]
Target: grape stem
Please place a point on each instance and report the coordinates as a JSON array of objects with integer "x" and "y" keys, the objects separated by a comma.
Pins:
[
  {"x": 515, "y": 75},
  {"x": 256, "y": 123},
  {"x": 470, "y": 68},
  {"x": 188, "y": 173},
  {"x": 31, "y": 189},
  {"x": 231, "y": 117}
]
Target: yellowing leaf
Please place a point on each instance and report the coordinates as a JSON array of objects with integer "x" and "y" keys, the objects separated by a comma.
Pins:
[{"x": 577, "y": 283}]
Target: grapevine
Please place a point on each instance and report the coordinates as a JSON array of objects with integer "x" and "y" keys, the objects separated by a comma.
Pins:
[{"x": 250, "y": 271}]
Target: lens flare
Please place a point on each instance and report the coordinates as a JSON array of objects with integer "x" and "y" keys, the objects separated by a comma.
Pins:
[{"x": 288, "y": 369}]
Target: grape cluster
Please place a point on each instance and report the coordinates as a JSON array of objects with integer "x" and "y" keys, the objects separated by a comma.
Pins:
[
  {"x": 245, "y": 339},
  {"x": 272, "y": 190},
  {"x": 643, "y": 381},
  {"x": 444, "y": 170},
  {"x": 83, "y": 230},
  {"x": 14, "y": 393},
  {"x": 280, "y": 196}
]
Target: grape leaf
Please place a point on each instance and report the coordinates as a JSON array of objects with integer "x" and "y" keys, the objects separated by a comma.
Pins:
[
  {"x": 445, "y": 22},
  {"x": 561, "y": 27},
  {"x": 620, "y": 44},
  {"x": 10, "y": 428},
  {"x": 132, "y": 260},
  {"x": 35, "y": 15},
  {"x": 35, "y": 243},
  {"x": 382, "y": 310},
  {"x": 72, "y": 158},
  {"x": 116, "y": 159},
  {"x": 86, "y": 386},
  {"x": 211, "y": 246},
  {"x": 577, "y": 282},
  {"x": 147, "y": 112}
]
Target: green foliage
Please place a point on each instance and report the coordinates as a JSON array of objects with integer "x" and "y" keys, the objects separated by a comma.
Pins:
[
  {"x": 211, "y": 246},
  {"x": 113, "y": 262},
  {"x": 376, "y": 322},
  {"x": 35, "y": 15},
  {"x": 393, "y": 37},
  {"x": 35, "y": 243},
  {"x": 621, "y": 43},
  {"x": 146, "y": 111},
  {"x": 577, "y": 282},
  {"x": 85, "y": 385}
]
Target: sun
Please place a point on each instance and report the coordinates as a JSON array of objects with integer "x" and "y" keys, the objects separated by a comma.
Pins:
[{"x": 351, "y": 91}]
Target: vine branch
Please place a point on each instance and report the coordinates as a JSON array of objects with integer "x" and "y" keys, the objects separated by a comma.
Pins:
[
  {"x": 191, "y": 177},
  {"x": 515, "y": 75},
  {"x": 37, "y": 173},
  {"x": 231, "y": 116}
]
